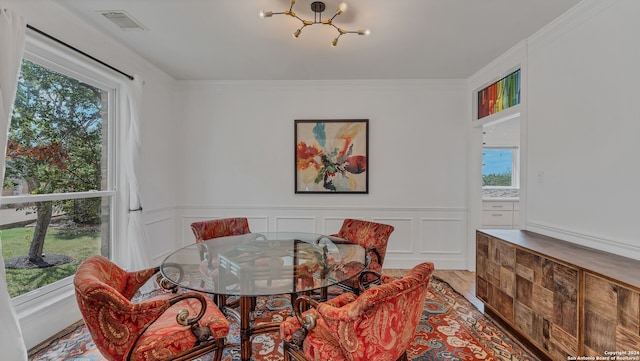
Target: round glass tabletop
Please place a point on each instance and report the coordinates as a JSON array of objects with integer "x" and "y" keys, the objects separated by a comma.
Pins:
[{"x": 262, "y": 264}]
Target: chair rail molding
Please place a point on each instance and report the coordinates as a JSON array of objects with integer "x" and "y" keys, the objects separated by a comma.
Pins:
[
  {"x": 587, "y": 240},
  {"x": 435, "y": 234}
]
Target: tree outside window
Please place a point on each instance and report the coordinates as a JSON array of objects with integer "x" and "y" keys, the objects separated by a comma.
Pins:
[{"x": 56, "y": 146}]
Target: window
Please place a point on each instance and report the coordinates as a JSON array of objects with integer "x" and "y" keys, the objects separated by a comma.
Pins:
[
  {"x": 500, "y": 95},
  {"x": 58, "y": 191},
  {"x": 500, "y": 167}
]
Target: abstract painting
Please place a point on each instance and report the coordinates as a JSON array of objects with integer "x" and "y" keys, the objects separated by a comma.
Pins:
[{"x": 332, "y": 156}]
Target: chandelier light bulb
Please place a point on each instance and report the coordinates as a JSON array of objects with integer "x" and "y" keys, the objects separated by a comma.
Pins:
[
  {"x": 334, "y": 42},
  {"x": 265, "y": 14},
  {"x": 364, "y": 32},
  {"x": 297, "y": 33},
  {"x": 342, "y": 8}
]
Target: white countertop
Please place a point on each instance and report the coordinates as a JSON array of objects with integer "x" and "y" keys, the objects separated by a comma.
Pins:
[
  {"x": 501, "y": 194},
  {"x": 501, "y": 199}
]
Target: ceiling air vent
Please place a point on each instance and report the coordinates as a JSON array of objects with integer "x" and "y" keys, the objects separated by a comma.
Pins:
[{"x": 122, "y": 20}]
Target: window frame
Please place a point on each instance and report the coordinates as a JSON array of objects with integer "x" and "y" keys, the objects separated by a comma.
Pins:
[
  {"x": 64, "y": 61},
  {"x": 515, "y": 166}
]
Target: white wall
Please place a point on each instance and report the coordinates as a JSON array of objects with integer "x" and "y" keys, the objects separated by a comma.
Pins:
[
  {"x": 238, "y": 159},
  {"x": 502, "y": 134},
  {"x": 158, "y": 158},
  {"x": 584, "y": 126}
]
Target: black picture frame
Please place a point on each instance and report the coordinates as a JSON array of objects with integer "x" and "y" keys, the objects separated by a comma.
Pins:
[{"x": 331, "y": 156}]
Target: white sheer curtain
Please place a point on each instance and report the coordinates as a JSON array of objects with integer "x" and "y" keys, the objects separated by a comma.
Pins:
[
  {"x": 12, "y": 29},
  {"x": 136, "y": 245}
]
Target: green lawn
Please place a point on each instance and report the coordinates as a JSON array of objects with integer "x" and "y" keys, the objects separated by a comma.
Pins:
[{"x": 78, "y": 244}]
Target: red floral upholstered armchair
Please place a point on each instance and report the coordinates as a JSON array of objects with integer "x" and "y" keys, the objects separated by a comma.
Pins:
[
  {"x": 167, "y": 327},
  {"x": 215, "y": 228},
  {"x": 377, "y": 325},
  {"x": 373, "y": 236},
  {"x": 223, "y": 227}
]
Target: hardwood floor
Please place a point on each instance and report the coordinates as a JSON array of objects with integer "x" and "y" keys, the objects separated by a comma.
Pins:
[{"x": 462, "y": 281}]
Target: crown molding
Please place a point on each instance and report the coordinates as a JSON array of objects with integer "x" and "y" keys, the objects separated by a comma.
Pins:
[
  {"x": 440, "y": 84},
  {"x": 499, "y": 67},
  {"x": 568, "y": 21}
]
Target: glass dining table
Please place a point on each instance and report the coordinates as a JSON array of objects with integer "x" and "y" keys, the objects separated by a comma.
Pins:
[{"x": 262, "y": 264}]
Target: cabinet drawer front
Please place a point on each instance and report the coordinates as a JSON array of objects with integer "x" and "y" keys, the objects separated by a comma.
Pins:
[
  {"x": 497, "y": 206},
  {"x": 497, "y": 218}
]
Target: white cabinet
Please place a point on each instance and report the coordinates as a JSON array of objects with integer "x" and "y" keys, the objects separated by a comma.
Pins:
[{"x": 500, "y": 214}]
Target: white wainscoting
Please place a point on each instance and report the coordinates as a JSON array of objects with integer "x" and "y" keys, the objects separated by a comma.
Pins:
[
  {"x": 421, "y": 234},
  {"x": 160, "y": 226}
]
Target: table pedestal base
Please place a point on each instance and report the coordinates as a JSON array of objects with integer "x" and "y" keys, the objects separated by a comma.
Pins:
[{"x": 247, "y": 303}]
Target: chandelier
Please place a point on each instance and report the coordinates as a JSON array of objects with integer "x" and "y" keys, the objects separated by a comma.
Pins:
[{"x": 318, "y": 8}]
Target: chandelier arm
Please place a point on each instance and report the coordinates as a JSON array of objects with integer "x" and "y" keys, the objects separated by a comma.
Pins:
[{"x": 305, "y": 22}]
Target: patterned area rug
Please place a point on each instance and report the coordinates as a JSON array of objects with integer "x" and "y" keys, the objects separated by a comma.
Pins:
[{"x": 451, "y": 328}]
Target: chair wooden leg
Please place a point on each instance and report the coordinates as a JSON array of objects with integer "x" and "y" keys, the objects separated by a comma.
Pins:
[
  {"x": 217, "y": 355},
  {"x": 287, "y": 357}
]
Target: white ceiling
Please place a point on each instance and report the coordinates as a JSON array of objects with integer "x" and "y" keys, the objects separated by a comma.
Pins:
[{"x": 410, "y": 39}]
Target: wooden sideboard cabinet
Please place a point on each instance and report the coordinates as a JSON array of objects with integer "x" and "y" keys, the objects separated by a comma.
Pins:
[{"x": 565, "y": 299}]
